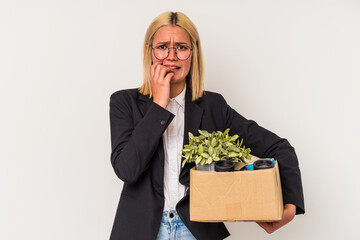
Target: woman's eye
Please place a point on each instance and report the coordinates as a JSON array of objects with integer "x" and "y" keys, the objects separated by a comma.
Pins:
[
  {"x": 162, "y": 47},
  {"x": 182, "y": 47}
]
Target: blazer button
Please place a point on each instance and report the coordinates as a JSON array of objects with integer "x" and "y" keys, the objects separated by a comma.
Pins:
[{"x": 162, "y": 122}]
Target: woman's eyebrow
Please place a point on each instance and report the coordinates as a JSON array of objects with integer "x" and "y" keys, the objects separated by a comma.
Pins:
[{"x": 177, "y": 43}]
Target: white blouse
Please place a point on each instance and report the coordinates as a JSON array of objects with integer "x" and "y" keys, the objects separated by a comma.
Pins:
[{"x": 173, "y": 143}]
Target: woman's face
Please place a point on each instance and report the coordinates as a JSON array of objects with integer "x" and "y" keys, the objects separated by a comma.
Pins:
[{"x": 173, "y": 36}]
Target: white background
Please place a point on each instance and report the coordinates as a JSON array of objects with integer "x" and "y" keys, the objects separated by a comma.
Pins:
[{"x": 293, "y": 66}]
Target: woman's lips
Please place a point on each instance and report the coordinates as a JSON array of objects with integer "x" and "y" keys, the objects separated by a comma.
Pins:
[{"x": 174, "y": 69}]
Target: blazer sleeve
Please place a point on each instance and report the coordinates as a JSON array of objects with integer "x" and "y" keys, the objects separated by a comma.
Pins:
[
  {"x": 265, "y": 144},
  {"x": 134, "y": 138}
]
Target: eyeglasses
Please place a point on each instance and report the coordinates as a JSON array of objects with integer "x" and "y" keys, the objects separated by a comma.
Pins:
[{"x": 182, "y": 52}]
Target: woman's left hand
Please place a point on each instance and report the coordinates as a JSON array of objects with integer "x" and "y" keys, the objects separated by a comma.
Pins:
[{"x": 288, "y": 215}]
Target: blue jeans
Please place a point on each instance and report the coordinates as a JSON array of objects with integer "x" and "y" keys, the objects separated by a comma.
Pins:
[{"x": 172, "y": 228}]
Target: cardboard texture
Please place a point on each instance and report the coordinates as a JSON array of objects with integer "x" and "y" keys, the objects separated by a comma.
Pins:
[{"x": 236, "y": 196}]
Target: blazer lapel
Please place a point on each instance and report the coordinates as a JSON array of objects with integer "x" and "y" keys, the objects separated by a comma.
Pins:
[{"x": 193, "y": 117}]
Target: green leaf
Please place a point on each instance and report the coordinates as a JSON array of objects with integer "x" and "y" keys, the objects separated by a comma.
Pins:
[
  {"x": 211, "y": 150},
  {"x": 191, "y": 136},
  {"x": 213, "y": 142},
  {"x": 233, "y": 138},
  {"x": 209, "y": 160},
  {"x": 183, "y": 163},
  {"x": 233, "y": 155},
  {"x": 204, "y": 133},
  {"x": 201, "y": 149},
  {"x": 198, "y": 159},
  {"x": 226, "y": 131},
  {"x": 215, "y": 153},
  {"x": 235, "y": 149},
  {"x": 205, "y": 155}
]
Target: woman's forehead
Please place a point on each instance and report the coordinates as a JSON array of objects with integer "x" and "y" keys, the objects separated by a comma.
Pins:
[{"x": 169, "y": 34}]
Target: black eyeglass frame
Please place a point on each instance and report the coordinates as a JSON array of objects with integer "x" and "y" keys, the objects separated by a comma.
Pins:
[{"x": 168, "y": 48}]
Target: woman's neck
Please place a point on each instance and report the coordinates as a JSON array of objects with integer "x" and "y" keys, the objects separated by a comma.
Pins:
[{"x": 176, "y": 88}]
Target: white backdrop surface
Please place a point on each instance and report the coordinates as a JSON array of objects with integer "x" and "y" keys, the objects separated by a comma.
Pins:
[{"x": 292, "y": 66}]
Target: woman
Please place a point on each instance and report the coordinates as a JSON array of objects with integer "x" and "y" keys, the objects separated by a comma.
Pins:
[{"x": 147, "y": 133}]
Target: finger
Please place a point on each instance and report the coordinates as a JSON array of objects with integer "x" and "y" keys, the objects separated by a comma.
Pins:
[
  {"x": 157, "y": 71},
  {"x": 289, "y": 212},
  {"x": 261, "y": 224},
  {"x": 267, "y": 226},
  {"x": 163, "y": 72},
  {"x": 152, "y": 69},
  {"x": 168, "y": 77},
  {"x": 264, "y": 225},
  {"x": 275, "y": 226}
]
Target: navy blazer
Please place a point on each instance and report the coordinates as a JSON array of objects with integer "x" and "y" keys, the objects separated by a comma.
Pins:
[{"x": 137, "y": 125}]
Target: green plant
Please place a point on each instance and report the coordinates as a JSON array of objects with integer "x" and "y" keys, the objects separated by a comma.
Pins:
[{"x": 209, "y": 147}]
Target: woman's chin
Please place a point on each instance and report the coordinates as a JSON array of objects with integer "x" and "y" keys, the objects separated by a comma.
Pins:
[{"x": 176, "y": 80}]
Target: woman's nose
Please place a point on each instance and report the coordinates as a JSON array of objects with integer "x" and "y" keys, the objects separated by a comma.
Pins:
[{"x": 172, "y": 54}]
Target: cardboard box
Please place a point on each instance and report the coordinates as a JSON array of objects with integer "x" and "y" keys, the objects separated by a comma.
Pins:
[{"x": 236, "y": 196}]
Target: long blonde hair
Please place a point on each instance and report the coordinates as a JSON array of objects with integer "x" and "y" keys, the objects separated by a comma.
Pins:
[{"x": 195, "y": 78}]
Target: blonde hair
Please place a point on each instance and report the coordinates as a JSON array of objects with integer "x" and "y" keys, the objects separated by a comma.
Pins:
[{"x": 195, "y": 78}]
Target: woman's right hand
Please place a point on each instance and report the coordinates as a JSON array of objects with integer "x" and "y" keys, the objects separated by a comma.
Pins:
[{"x": 160, "y": 77}]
